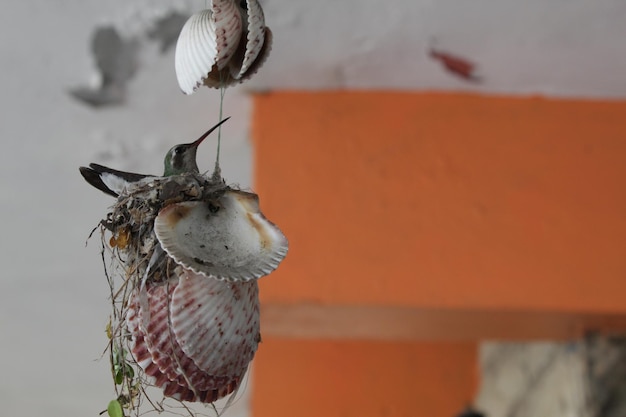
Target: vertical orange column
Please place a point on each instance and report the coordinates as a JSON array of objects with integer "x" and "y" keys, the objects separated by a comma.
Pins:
[
  {"x": 309, "y": 378},
  {"x": 445, "y": 209}
]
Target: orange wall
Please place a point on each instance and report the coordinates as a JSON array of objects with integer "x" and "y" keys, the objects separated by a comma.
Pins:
[
  {"x": 434, "y": 200},
  {"x": 429, "y": 209}
]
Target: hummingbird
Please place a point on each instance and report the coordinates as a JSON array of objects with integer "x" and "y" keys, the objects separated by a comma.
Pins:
[{"x": 179, "y": 159}]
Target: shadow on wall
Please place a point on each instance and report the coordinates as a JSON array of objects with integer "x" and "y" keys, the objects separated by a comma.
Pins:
[{"x": 116, "y": 59}]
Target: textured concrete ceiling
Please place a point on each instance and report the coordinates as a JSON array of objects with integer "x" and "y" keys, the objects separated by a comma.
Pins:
[{"x": 557, "y": 47}]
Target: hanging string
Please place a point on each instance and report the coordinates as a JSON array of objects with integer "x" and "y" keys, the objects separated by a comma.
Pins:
[
  {"x": 217, "y": 171},
  {"x": 219, "y": 129}
]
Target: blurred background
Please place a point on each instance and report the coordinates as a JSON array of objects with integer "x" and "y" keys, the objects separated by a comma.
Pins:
[{"x": 451, "y": 176}]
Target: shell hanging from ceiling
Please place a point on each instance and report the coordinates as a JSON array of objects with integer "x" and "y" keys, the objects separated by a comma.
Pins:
[{"x": 222, "y": 45}]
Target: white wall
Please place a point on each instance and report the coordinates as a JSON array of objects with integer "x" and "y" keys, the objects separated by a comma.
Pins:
[{"x": 53, "y": 294}]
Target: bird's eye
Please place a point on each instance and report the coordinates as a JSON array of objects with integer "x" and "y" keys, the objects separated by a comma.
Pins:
[{"x": 177, "y": 150}]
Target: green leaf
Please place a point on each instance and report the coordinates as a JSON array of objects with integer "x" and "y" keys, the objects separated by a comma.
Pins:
[
  {"x": 119, "y": 376},
  {"x": 115, "y": 409},
  {"x": 130, "y": 372},
  {"x": 114, "y": 357}
]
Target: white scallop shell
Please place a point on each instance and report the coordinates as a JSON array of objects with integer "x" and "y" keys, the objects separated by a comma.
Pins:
[
  {"x": 206, "y": 43},
  {"x": 221, "y": 46},
  {"x": 228, "y": 239},
  {"x": 194, "y": 336}
]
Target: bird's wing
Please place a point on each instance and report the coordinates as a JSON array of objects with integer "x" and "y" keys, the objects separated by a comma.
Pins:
[{"x": 109, "y": 180}]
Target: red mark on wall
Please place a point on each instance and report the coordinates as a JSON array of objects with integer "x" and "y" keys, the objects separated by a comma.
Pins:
[{"x": 458, "y": 66}]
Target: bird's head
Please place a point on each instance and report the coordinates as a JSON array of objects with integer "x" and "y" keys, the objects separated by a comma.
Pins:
[{"x": 182, "y": 158}]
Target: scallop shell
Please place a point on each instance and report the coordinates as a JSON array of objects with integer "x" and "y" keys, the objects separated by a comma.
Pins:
[
  {"x": 260, "y": 58},
  {"x": 254, "y": 38},
  {"x": 194, "y": 336},
  {"x": 219, "y": 332},
  {"x": 228, "y": 239},
  {"x": 221, "y": 46}
]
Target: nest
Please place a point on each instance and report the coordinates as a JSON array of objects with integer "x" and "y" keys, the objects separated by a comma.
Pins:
[
  {"x": 186, "y": 253},
  {"x": 137, "y": 260},
  {"x": 131, "y": 221}
]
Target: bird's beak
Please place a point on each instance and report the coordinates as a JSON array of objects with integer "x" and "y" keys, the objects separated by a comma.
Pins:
[{"x": 198, "y": 141}]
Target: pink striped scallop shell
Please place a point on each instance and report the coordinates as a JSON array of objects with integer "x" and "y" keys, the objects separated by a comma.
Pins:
[{"x": 194, "y": 336}]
